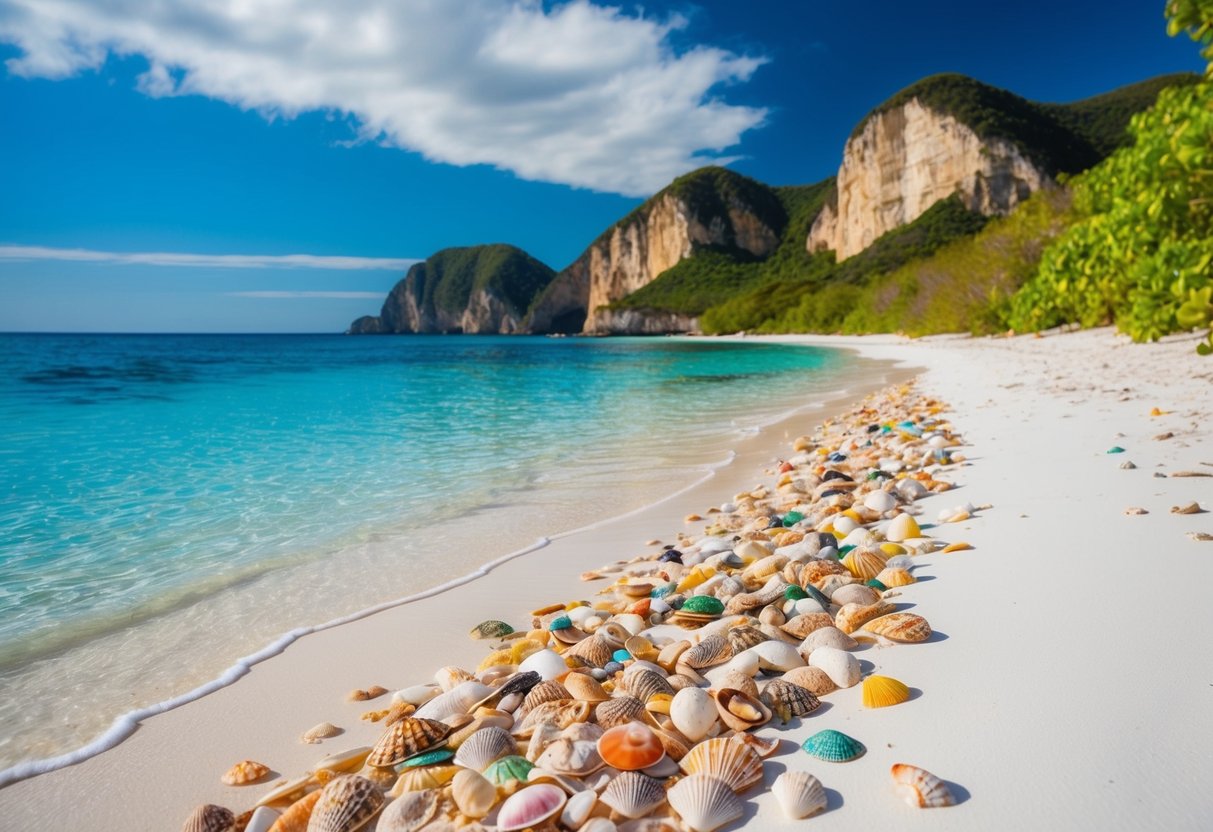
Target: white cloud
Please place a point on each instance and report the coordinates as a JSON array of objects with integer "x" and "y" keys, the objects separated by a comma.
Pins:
[
  {"x": 222, "y": 261},
  {"x": 294, "y": 295},
  {"x": 578, "y": 94}
]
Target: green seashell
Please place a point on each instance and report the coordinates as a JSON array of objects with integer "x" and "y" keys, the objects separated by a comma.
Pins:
[
  {"x": 704, "y": 605},
  {"x": 426, "y": 758},
  {"x": 877, "y": 585},
  {"x": 491, "y": 629},
  {"x": 1116, "y": 449},
  {"x": 842, "y": 551},
  {"x": 562, "y": 622},
  {"x": 792, "y": 518},
  {"x": 794, "y": 593},
  {"x": 833, "y": 747},
  {"x": 502, "y": 771},
  {"x": 663, "y": 590}
]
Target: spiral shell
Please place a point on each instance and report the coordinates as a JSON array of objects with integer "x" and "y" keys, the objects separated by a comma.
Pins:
[
  {"x": 409, "y": 736},
  {"x": 346, "y": 803},
  {"x": 799, "y": 793},
  {"x": 735, "y": 763},
  {"x": 787, "y": 700},
  {"x": 704, "y": 803},
  {"x": 921, "y": 788}
]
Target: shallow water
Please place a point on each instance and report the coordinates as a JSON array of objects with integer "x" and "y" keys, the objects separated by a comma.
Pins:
[{"x": 173, "y": 502}]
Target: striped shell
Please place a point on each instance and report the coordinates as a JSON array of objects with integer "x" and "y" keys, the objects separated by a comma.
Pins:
[
  {"x": 645, "y": 684},
  {"x": 594, "y": 650},
  {"x": 407, "y": 737},
  {"x": 735, "y": 763},
  {"x": 549, "y": 691},
  {"x": 675, "y": 744},
  {"x": 347, "y": 803},
  {"x": 508, "y": 769},
  {"x": 619, "y": 711},
  {"x": 704, "y": 803},
  {"x": 630, "y": 747},
  {"x": 297, "y": 815},
  {"x": 745, "y": 637},
  {"x": 788, "y": 701},
  {"x": 833, "y": 746},
  {"x": 245, "y": 772},
  {"x": 882, "y": 691},
  {"x": 485, "y": 746},
  {"x": 421, "y": 779},
  {"x": 210, "y": 818},
  {"x": 802, "y": 625},
  {"x": 799, "y": 793},
  {"x": 905, "y": 627},
  {"x": 633, "y": 794},
  {"x": 813, "y": 679},
  {"x": 921, "y": 788},
  {"x": 529, "y": 807},
  {"x": 853, "y": 616},
  {"x": 864, "y": 563},
  {"x": 713, "y": 650},
  {"x": 561, "y": 713},
  {"x": 409, "y": 812},
  {"x": 895, "y": 577}
]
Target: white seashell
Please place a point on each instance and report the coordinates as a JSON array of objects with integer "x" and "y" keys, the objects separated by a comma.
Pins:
[
  {"x": 341, "y": 760},
  {"x": 844, "y": 525},
  {"x": 799, "y": 793},
  {"x": 921, "y": 788},
  {"x": 775, "y": 655},
  {"x": 751, "y": 549},
  {"x": 880, "y": 501},
  {"x": 693, "y": 712},
  {"x": 826, "y": 637},
  {"x": 599, "y": 825},
  {"x": 417, "y": 695},
  {"x": 859, "y": 537},
  {"x": 842, "y": 667},
  {"x": 458, "y": 700},
  {"x": 634, "y": 624},
  {"x": 449, "y": 678},
  {"x": 806, "y": 606},
  {"x": 263, "y": 818},
  {"x": 547, "y": 663},
  {"x": 663, "y": 768},
  {"x": 485, "y": 746},
  {"x": 633, "y": 794},
  {"x": 711, "y": 545},
  {"x": 409, "y": 812},
  {"x": 577, "y": 811},
  {"x": 565, "y": 756},
  {"x": 737, "y": 764},
  {"x": 911, "y": 489},
  {"x": 900, "y": 562},
  {"x": 638, "y": 665},
  {"x": 474, "y": 795},
  {"x": 861, "y": 594},
  {"x": 704, "y": 803}
]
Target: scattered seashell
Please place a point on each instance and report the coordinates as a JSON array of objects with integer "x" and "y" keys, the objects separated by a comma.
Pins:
[
  {"x": 853, "y": 616},
  {"x": 955, "y": 547},
  {"x": 346, "y": 803},
  {"x": 921, "y": 788},
  {"x": 210, "y": 818},
  {"x": 633, "y": 794},
  {"x": 420, "y": 779},
  {"x": 744, "y": 637},
  {"x": 485, "y": 746},
  {"x": 813, "y": 679},
  {"x": 902, "y": 527},
  {"x": 841, "y": 666},
  {"x": 575, "y": 758},
  {"x": 547, "y": 663},
  {"x": 645, "y": 684},
  {"x": 409, "y": 812},
  {"x": 561, "y": 713},
  {"x": 855, "y": 594},
  {"x": 693, "y": 712},
  {"x": 508, "y": 769},
  {"x": 1200, "y": 536},
  {"x": 585, "y": 688},
  {"x": 895, "y": 577},
  {"x": 409, "y": 736},
  {"x": 319, "y": 732},
  {"x": 788, "y": 701},
  {"x": 704, "y": 803},
  {"x": 777, "y": 656},
  {"x": 711, "y": 651},
  {"x": 833, "y": 746},
  {"x": 474, "y": 795},
  {"x": 262, "y": 819},
  {"x": 799, "y": 793},
  {"x": 491, "y": 629},
  {"x": 630, "y": 747},
  {"x": 739, "y": 711},
  {"x": 244, "y": 773},
  {"x": 1190, "y": 508},
  {"x": 864, "y": 563},
  {"x": 530, "y": 807},
  {"x": 802, "y": 625},
  {"x": 460, "y": 699},
  {"x": 883, "y": 691},
  {"x": 736, "y": 763},
  {"x": 738, "y": 681},
  {"x": 549, "y": 691},
  {"x": 619, "y": 711},
  {"x": 905, "y": 627},
  {"x": 296, "y": 816}
]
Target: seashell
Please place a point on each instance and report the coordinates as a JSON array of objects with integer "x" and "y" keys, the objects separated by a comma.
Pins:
[
  {"x": 813, "y": 679},
  {"x": 320, "y": 732},
  {"x": 427, "y": 758},
  {"x": 799, "y": 793},
  {"x": 451, "y": 677},
  {"x": 905, "y": 562},
  {"x": 530, "y": 806},
  {"x": 745, "y": 637},
  {"x": 693, "y": 712},
  {"x": 210, "y": 818},
  {"x": 826, "y": 637},
  {"x": 502, "y": 772},
  {"x": 921, "y": 788},
  {"x": 902, "y": 527},
  {"x": 585, "y": 688},
  {"x": 864, "y": 563},
  {"x": 787, "y": 700},
  {"x": 882, "y": 691},
  {"x": 769, "y": 594},
  {"x": 800, "y": 626},
  {"x": 633, "y": 794},
  {"x": 738, "y": 681},
  {"x": 245, "y": 772},
  {"x": 777, "y": 656},
  {"x": 833, "y": 746},
  {"x": 420, "y": 779},
  {"x": 595, "y": 650},
  {"x": 346, "y": 803},
  {"x": 384, "y": 778},
  {"x": 491, "y": 629},
  {"x": 630, "y": 747},
  {"x": 905, "y": 627},
  {"x": 561, "y": 713},
  {"x": 853, "y": 616},
  {"x": 880, "y": 501},
  {"x": 583, "y": 731},
  {"x": 678, "y": 681},
  {"x": 485, "y": 746},
  {"x": 565, "y": 756},
  {"x": 646, "y": 684},
  {"x": 841, "y": 666},
  {"x": 578, "y": 808},
  {"x": 547, "y": 663},
  {"x": 460, "y": 699},
  {"x": 816, "y": 570},
  {"x": 832, "y": 583},
  {"x": 544, "y": 735},
  {"x": 461, "y": 735},
  {"x": 764, "y": 568},
  {"x": 958, "y": 546},
  {"x": 671, "y": 654},
  {"x": 736, "y": 763},
  {"x": 704, "y": 803},
  {"x": 619, "y": 711},
  {"x": 297, "y": 815},
  {"x": 772, "y": 615},
  {"x": 549, "y": 691},
  {"x": 893, "y": 577},
  {"x": 409, "y": 812},
  {"x": 409, "y": 736},
  {"x": 474, "y": 795},
  {"x": 262, "y": 819},
  {"x": 739, "y": 711},
  {"x": 712, "y": 650},
  {"x": 416, "y": 695},
  {"x": 675, "y": 744},
  {"x": 855, "y": 594},
  {"x": 763, "y": 747}
]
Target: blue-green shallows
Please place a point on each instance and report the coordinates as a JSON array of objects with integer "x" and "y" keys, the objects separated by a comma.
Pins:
[
  {"x": 500, "y": 772},
  {"x": 704, "y": 604},
  {"x": 562, "y": 622},
  {"x": 794, "y": 593},
  {"x": 833, "y": 746},
  {"x": 621, "y": 656},
  {"x": 427, "y": 758}
]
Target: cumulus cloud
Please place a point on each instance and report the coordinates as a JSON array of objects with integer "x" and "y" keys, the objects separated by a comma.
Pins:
[
  {"x": 579, "y": 94},
  {"x": 222, "y": 261}
]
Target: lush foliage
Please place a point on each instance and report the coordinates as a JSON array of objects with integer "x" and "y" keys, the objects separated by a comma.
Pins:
[{"x": 449, "y": 277}]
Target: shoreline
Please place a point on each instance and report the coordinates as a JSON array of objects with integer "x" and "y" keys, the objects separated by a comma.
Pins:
[{"x": 1037, "y": 653}]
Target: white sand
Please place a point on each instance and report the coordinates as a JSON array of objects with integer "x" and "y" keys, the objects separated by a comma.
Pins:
[{"x": 1074, "y": 689}]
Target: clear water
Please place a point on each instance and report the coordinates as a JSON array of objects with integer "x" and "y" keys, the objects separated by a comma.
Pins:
[{"x": 181, "y": 497}]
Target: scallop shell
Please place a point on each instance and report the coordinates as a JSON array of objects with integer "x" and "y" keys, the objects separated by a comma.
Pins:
[
  {"x": 799, "y": 793},
  {"x": 595, "y": 650},
  {"x": 900, "y": 626},
  {"x": 739, "y": 711},
  {"x": 297, "y": 815},
  {"x": 420, "y": 779},
  {"x": 530, "y": 806},
  {"x": 585, "y": 688},
  {"x": 491, "y": 629},
  {"x": 409, "y": 736},
  {"x": 739, "y": 681},
  {"x": 619, "y": 711},
  {"x": 462, "y": 735},
  {"x": 633, "y": 794},
  {"x": 630, "y": 747},
  {"x": 549, "y": 691},
  {"x": 712, "y": 650},
  {"x": 575, "y": 758},
  {"x": 409, "y": 812},
  {"x": 459, "y": 700},
  {"x": 485, "y": 746},
  {"x": 841, "y": 666},
  {"x": 855, "y": 594},
  {"x": 744, "y": 637},
  {"x": 735, "y": 763},
  {"x": 645, "y": 684},
  {"x": 813, "y": 679},
  {"x": 346, "y": 803},
  {"x": 704, "y": 803},
  {"x": 816, "y": 570},
  {"x": 319, "y": 732},
  {"x": 561, "y": 713},
  {"x": 210, "y": 818},
  {"x": 787, "y": 700},
  {"x": 833, "y": 746},
  {"x": 245, "y": 772},
  {"x": 919, "y": 787},
  {"x": 474, "y": 795},
  {"x": 864, "y": 563},
  {"x": 853, "y": 616},
  {"x": 693, "y": 712},
  {"x": 882, "y": 691},
  {"x": 507, "y": 769},
  {"x": 895, "y": 577}
]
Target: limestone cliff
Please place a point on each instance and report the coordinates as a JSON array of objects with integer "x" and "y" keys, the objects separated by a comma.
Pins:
[
  {"x": 711, "y": 207},
  {"x": 481, "y": 289}
]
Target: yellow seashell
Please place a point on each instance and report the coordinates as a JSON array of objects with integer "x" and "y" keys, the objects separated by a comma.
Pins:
[
  {"x": 497, "y": 657},
  {"x": 882, "y": 691},
  {"x": 956, "y": 547},
  {"x": 892, "y": 549},
  {"x": 853, "y": 616},
  {"x": 864, "y": 564},
  {"x": 420, "y": 778},
  {"x": 523, "y": 648},
  {"x": 895, "y": 577}
]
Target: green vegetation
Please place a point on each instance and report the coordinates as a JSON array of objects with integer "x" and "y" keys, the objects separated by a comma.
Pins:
[{"x": 448, "y": 278}]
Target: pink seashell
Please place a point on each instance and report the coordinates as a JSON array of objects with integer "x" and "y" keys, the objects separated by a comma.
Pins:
[{"x": 530, "y": 806}]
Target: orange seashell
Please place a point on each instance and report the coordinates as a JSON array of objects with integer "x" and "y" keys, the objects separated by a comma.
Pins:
[
  {"x": 296, "y": 817},
  {"x": 245, "y": 772},
  {"x": 630, "y": 747}
]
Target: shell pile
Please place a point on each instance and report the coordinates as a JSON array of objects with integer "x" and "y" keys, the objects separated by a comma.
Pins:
[{"x": 639, "y": 704}]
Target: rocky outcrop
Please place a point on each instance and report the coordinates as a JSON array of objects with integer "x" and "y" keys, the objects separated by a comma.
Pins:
[
  {"x": 476, "y": 290},
  {"x": 643, "y": 322},
  {"x": 907, "y": 158},
  {"x": 709, "y": 207}
]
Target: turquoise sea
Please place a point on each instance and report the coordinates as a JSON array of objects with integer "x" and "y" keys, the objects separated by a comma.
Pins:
[{"x": 170, "y": 503}]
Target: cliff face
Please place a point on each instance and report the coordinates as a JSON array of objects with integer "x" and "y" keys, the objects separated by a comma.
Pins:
[
  {"x": 482, "y": 289},
  {"x": 907, "y": 158},
  {"x": 710, "y": 207}
]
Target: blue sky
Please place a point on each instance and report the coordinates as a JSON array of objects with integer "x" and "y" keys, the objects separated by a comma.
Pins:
[{"x": 157, "y": 160}]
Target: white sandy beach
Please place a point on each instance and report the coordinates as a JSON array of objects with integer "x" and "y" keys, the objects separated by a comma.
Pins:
[{"x": 1073, "y": 690}]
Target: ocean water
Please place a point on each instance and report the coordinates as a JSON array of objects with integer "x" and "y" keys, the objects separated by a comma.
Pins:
[{"x": 170, "y": 503}]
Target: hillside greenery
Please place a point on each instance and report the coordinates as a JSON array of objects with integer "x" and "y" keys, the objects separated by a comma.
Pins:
[{"x": 448, "y": 278}]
